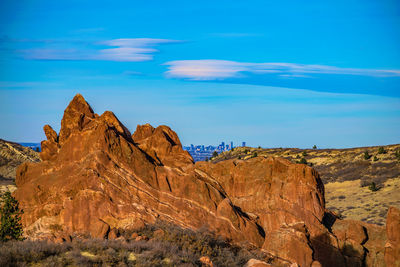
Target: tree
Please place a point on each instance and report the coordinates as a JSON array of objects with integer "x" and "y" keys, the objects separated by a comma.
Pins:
[
  {"x": 214, "y": 154},
  {"x": 381, "y": 150},
  {"x": 314, "y": 147},
  {"x": 10, "y": 227}
]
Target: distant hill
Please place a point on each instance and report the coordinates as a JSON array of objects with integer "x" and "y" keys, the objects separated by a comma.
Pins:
[
  {"x": 347, "y": 175},
  {"x": 334, "y": 165},
  {"x": 11, "y": 156}
]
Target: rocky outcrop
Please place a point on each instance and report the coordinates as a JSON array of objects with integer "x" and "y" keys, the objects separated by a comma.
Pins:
[
  {"x": 392, "y": 247},
  {"x": 97, "y": 179}
]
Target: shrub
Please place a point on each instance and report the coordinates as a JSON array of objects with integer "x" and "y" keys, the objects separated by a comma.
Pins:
[
  {"x": 239, "y": 157},
  {"x": 214, "y": 154},
  {"x": 381, "y": 150},
  {"x": 304, "y": 154},
  {"x": 314, "y": 147},
  {"x": 255, "y": 154},
  {"x": 373, "y": 187},
  {"x": 375, "y": 158},
  {"x": 397, "y": 154},
  {"x": 367, "y": 155},
  {"x": 10, "y": 227},
  {"x": 303, "y": 161}
]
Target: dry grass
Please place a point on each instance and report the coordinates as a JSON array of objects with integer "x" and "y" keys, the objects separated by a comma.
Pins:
[
  {"x": 333, "y": 165},
  {"x": 175, "y": 247},
  {"x": 353, "y": 201}
]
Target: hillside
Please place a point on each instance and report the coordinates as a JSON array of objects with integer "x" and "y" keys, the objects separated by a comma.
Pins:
[
  {"x": 11, "y": 156},
  {"x": 347, "y": 175}
]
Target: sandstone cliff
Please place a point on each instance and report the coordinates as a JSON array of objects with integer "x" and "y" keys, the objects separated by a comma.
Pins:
[{"x": 97, "y": 179}]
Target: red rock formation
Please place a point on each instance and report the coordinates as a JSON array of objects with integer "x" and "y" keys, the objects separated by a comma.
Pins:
[
  {"x": 97, "y": 178},
  {"x": 392, "y": 247}
]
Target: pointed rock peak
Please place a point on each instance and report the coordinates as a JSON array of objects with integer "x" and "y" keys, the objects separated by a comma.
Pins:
[
  {"x": 169, "y": 134},
  {"x": 50, "y": 133},
  {"x": 142, "y": 132},
  {"x": 76, "y": 116},
  {"x": 79, "y": 104},
  {"x": 112, "y": 121}
]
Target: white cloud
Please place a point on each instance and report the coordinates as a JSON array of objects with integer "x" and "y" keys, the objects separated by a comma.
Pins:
[
  {"x": 212, "y": 69},
  {"x": 204, "y": 69},
  {"x": 126, "y": 50}
]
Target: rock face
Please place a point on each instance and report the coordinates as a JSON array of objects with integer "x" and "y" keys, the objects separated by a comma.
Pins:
[
  {"x": 392, "y": 247},
  {"x": 97, "y": 179}
]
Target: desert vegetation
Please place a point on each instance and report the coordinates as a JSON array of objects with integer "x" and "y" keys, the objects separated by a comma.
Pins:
[
  {"x": 154, "y": 245},
  {"x": 160, "y": 244}
]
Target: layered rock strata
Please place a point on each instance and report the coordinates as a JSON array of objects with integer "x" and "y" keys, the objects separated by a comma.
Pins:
[{"x": 97, "y": 179}]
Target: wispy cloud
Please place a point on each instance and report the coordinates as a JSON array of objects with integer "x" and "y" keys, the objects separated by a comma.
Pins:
[
  {"x": 212, "y": 69},
  {"x": 126, "y": 50}
]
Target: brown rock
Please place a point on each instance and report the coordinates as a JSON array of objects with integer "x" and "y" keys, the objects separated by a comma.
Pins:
[
  {"x": 50, "y": 133},
  {"x": 134, "y": 235},
  {"x": 162, "y": 144},
  {"x": 291, "y": 243},
  {"x": 256, "y": 263},
  {"x": 316, "y": 264},
  {"x": 392, "y": 247},
  {"x": 113, "y": 234},
  {"x": 100, "y": 179},
  {"x": 159, "y": 233},
  {"x": 76, "y": 116},
  {"x": 206, "y": 261}
]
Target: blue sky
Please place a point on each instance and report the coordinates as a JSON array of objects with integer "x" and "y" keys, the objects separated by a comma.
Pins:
[{"x": 272, "y": 73}]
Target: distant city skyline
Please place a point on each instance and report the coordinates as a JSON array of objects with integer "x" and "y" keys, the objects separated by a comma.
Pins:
[{"x": 274, "y": 73}]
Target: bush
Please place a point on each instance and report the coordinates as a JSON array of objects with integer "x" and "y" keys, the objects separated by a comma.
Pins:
[
  {"x": 375, "y": 158},
  {"x": 367, "y": 155},
  {"x": 381, "y": 150},
  {"x": 10, "y": 227},
  {"x": 373, "y": 187},
  {"x": 304, "y": 154},
  {"x": 397, "y": 154},
  {"x": 214, "y": 154},
  {"x": 255, "y": 154},
  {"x": 303, "y": 161}
]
